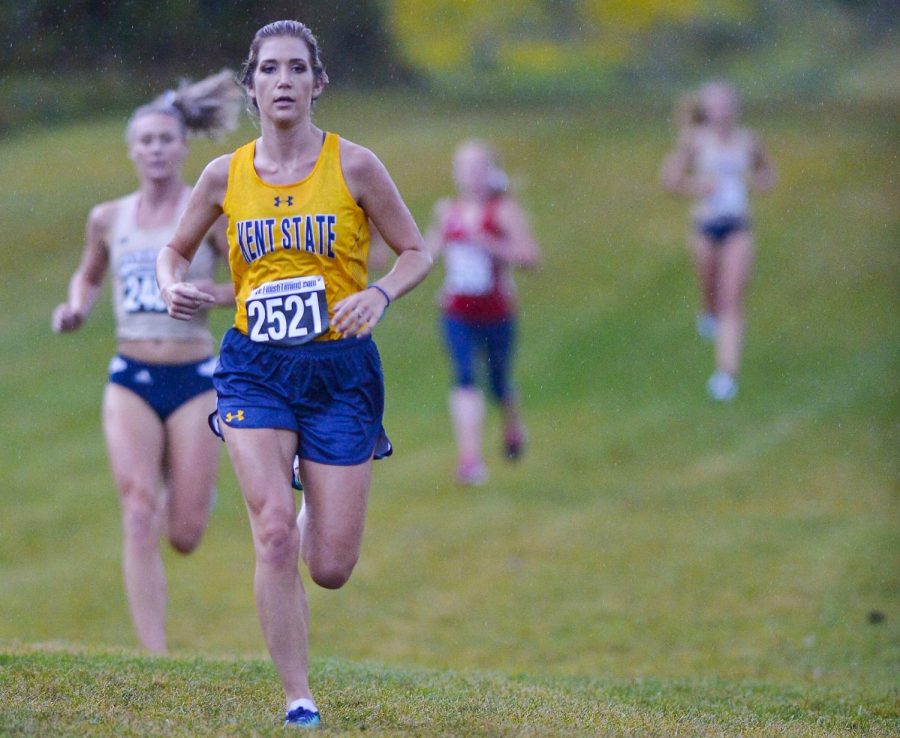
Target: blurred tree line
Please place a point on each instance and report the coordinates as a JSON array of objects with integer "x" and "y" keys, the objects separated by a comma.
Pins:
[
  {"x": 370, "y": 40},
  {"x": 56, "y": 36},
  {"x": 64, "y": 57}
]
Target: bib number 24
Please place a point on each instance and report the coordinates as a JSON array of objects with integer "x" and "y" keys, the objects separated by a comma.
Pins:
[
  {"x": 288, "y": 312},
  {"x": 140, "y": 294}
]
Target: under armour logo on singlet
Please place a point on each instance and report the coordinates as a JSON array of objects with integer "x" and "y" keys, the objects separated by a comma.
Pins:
[{"x": 289, "y": 200}]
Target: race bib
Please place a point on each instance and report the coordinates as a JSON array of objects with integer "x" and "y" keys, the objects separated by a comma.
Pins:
[
  {"x": 137, "y": 279},
  {"x": 469, "y": 270},
  {"x": 140, "y": 293},
  {"x": 287, "y": 312},
  {"x": 729, "y": 197}
]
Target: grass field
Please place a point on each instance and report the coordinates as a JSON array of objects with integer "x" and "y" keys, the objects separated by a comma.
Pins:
[{"x": 694, "y": 568}]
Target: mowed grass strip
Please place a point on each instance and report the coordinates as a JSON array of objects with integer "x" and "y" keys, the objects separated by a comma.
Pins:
[{"x": 63, "y": 691}]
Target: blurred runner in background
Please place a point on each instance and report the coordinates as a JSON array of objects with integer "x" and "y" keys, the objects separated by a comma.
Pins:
[
  {"x": 160, "y": 380},
  {"x": 482, "y": 234},
  {"x": 717, "y": 163}
]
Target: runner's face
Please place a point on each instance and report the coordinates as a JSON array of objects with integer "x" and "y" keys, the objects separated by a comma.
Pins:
[
  {"x": 472, "y": 169},
  {"x": 283, "y": 83},
  {"x": 721, "y": 106},
  {"x": 156, "y": 146}
]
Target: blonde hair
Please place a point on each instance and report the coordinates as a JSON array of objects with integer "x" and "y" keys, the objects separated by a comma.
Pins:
[
  {"x": 497, "y": 180},
  {"x": 210, "y": 107},
  {"x": 690, "y": 111}
]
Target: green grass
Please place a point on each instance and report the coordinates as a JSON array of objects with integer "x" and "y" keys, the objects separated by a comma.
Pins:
[
  {"x": 657, "y": 563},
  {"x": 71, "y": 691}
]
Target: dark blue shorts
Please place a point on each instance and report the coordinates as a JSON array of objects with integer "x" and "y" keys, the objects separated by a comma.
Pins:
[
  {"x": 330, "y": 393},
  {"x": 718, "y": 230},
  {"x": 495, "y": 340},
  {"x": 164, "y": 387}
]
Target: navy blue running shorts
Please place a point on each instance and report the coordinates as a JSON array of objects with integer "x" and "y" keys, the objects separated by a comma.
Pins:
[
  {"x": 719, "y": 229},
  {"x": 465, "y": 340},
  {"x": 330, "y": 393},
  {"x": 164, "y": 387}
]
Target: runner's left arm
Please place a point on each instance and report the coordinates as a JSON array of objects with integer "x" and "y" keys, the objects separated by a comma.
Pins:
[
  {"x": 763, "y": 171},
  {"x": 376, "y": 193},
  {"x": 517, "y": 246}
]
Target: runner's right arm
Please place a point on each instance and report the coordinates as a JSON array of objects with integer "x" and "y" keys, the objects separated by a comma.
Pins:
[
  {"x": 87, "y": 281},
  {"x": 182, "y": 298}
]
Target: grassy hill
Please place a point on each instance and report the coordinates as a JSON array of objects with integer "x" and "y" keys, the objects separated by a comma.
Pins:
[{"x": 724, "y": 556}]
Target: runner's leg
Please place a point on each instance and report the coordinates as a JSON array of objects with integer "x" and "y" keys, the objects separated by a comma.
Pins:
[
  {"x": 135, "y": 440},
  {"x": 734, "y": 273},
  {"x": 262, "y": 460},
  {"x": 192, "y": 462}
]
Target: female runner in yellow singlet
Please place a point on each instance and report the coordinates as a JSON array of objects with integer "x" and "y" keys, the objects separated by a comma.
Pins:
[
  {"x": 298, "y": 373},
  {"x": 160, "y": 381}
]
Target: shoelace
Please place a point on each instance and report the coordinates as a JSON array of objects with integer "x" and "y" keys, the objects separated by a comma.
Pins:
[{"x": 301, "y": 715}]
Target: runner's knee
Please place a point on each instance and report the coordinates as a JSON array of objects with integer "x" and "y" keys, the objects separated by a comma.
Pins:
[
  {"x": 187, "y": 520},
  {"x": 140, "y": 510},
  {"x": 331, "y": 571},
  {"x": 499, "y": 383},
  {"x": 277, "y": 543},
  {"x": 184, "y": 537}
]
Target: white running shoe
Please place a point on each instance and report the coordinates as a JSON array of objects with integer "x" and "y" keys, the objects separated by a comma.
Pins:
[
  {"x": 295, "y": 483},
  {"x": 471, "y": 473},
  {"x": 707, "y": 328},
  {"x": 721, "y": 386},
  {"x": 300, "y": 514},
  {"x": 295, "y": 475}
]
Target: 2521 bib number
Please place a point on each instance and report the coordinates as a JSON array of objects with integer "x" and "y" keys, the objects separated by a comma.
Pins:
[{"x": 288, "y": 312}]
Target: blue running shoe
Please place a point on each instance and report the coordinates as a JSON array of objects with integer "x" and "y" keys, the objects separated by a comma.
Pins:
[
  {"x": 722, "y": 387},
  {"x": 707, "y": 326},
  {"x": 305, "y": 715}
]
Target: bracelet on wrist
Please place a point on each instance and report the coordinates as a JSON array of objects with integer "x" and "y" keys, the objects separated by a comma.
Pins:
[{"x": 383, "y": 292}]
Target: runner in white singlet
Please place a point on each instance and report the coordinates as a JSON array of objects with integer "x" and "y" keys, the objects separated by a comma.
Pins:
[
  {"x": 717, "y": 163},
  {"x": 163, "y": 457}
]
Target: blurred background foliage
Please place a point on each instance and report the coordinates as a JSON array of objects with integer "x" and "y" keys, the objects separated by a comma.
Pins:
[
  {"x": 645, "y": 46},
  {"x": 81, "y": 57}
]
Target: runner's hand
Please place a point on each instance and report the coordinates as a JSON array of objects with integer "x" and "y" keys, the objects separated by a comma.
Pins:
[
  {"x": 184, "y": 299},
  {"x": 358, "y": 314},
  {"x": 66, "y": 319}
]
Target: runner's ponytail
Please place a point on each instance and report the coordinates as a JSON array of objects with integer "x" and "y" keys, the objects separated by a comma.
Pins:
[{"x": 210, "y": 107}]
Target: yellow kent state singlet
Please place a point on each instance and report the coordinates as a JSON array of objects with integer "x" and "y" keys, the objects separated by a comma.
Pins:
[{"x": 295, "y": 250}]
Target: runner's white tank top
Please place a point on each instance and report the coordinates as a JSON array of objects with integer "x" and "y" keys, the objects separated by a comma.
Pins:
[
  {"x": 726, "y": 166},
  {"x": 139, "y": 309}
]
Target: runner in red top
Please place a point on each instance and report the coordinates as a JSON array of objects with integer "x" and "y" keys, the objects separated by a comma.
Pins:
[
  {"x": 478, "y": 285},
  {"x": 481, "y": 234}
]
